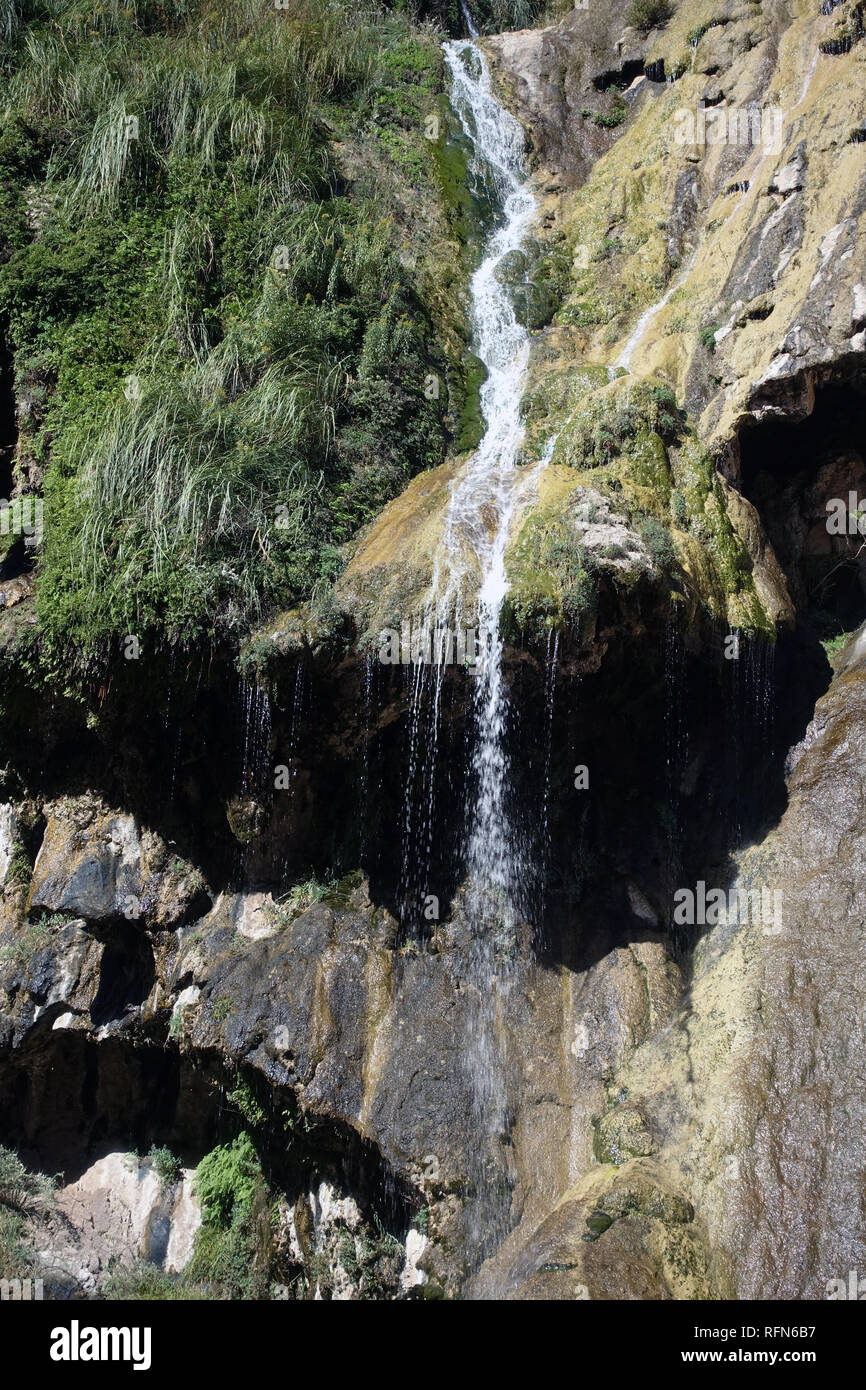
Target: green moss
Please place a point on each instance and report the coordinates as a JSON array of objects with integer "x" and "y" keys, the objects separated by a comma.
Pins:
[{"x": 551, "y": 580}]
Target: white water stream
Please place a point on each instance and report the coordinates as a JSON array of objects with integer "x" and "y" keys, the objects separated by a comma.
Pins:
[
  {"x": 468, "y": 588},
  {"x": 481, "y": 506}
]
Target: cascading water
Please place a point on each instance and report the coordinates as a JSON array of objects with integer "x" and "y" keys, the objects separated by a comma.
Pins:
[
  {"x": 467, "y": 592},
  {"x": 468, "y": 20},
  {"x": 482, "y": 501}
]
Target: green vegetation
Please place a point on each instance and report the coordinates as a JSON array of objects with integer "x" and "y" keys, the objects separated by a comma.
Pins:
[
  {"x": 26, "y": 942},
  {"x": 20, "y": 869},
  {"x": 300, "y": 897},
  {"x": 613, "y": 118},
  {"x": 166, "y": 1164},
  {"x": 222, "y": 1008},
  {"x": 228, "y": 1182},
  {"x": 834, "y": 645},
  {"x": 146, "y": 1282},
  {"x": 658, "y": 542},
  {"x": 243, "y": 1098},
  {"x": 649, "y": 14},
  {"x": 219, "y": 241},
  {"x": 552, "y": 580},
  {"x": 708, "y": 336},
  {"x": 21, "y": 1190}
]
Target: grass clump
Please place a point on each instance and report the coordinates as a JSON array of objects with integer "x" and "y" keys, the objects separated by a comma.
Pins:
[
  {"x": 649, "y": 14},
  {"x": 222, "y": 336},
  {"x": 20, "y": 1190}
]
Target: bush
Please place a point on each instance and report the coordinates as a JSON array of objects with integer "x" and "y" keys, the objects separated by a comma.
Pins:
[
  {"x": 615, "y": 118},
  {"x": 230, "y": 1186},
  {"x": 658, "y": 542},
  {"x": 226, "y": 1180},
  {"x": 649, "y": 14},
  {"x": 20, "y": 1189},
  {"x": 166, "y": 1165},
  {"x": 708, "y": 336}
]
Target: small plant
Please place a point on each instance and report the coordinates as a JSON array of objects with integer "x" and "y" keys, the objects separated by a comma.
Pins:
[
  {"x": 222, "y": 1008},
  {"x": 245, "y": 1100},
  {"x": 26, "y": 943},
  {"x": 834, "y": 645},
  {"x": 300, "y": 897},
  {"x": 166, "y": 1164},
  {"x": 658, "y": 542},
  {"x": 611, "y": 246},
  {"x": 649, "y": 14},
  {"x": 609, "y": 121},
  {"x": 20, "y": 869},
  {"x": 20, "y": 1189},
  {"x": 708, "y": 336}
]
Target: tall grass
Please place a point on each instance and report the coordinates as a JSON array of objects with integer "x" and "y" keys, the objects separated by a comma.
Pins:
[{"x": 201, "y": 124}]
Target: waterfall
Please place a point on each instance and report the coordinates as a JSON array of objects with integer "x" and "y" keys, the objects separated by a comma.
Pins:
[
  {"x": 468, "y": 589},
  {"x": 471, "y": 29},
  {"x": 468, "y": 583},
  {"x": 482, "y": 501}
]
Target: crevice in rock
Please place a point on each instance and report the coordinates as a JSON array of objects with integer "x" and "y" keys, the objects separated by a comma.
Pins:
[
  {"x": 620, "y": 78},
  {"x": 126, "y": 974},
  {"x": 796, "y": 475}
]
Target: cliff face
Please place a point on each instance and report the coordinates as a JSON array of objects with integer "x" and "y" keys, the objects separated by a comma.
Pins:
[{"x": 246, "y": 1009}]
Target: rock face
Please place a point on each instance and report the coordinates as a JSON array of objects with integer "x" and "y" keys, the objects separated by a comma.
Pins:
[
  {"x": 732, "y": 199},
  {"x": 623, "y": 1103},
  {"x": 119, "y": 1210},
  {"x": 764, "y": 1071}
]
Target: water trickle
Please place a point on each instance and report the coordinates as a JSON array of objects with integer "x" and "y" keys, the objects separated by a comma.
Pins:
[
  {"x": 468, "y": 20},
  {"x": 650, "y": 314},
  {"x": 256, "y": 744}
]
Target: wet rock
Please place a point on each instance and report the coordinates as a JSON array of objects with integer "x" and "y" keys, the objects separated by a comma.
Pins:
[
  {"x": 98, "y": 864},
  {"x": 622, "y": 1134}
]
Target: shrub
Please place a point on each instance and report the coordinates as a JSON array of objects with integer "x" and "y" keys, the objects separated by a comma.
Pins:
[
  {"x": 226, "y": 1180},
  {"x": 616, "y": 117},
  {"x": 708, "y": 336},
  {"x": 20, "y": 1189},
  {"x": 658, "y": 542},
  {"x": 166, "y": 1164},
  {"x": 649, "y": 14}
]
